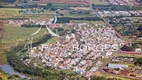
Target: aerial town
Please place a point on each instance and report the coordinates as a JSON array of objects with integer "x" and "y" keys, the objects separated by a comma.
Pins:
[{"x": 70, "y": 39}]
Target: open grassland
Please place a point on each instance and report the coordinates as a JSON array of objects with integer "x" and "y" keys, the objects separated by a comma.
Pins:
[
  {"x": 9, "y": 12},
  {"x": 12, "y": 33},
  {"x": 3, "y": 76},
  {"x": 98, "y": 1}
]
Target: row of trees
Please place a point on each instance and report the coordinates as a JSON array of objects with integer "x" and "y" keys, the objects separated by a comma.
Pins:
[
  {"x": 32, "y": 26},
  {"x": 68, "y": 19},
  {"x": 116, "y": 7},
  {"x": 32, "y": 11}
]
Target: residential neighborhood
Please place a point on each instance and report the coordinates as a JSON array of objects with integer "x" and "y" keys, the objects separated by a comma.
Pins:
[{"x": 70, "y": 39}]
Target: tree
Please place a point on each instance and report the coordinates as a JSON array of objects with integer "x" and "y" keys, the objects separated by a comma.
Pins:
[
  {"x": 126, "y": 48},
  {"x": 138, "y": 61}
]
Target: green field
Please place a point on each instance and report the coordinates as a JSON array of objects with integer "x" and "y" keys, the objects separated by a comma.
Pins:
[
  {"x": 12, "y": 33},
  {"x": 9, "y": 12}
]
